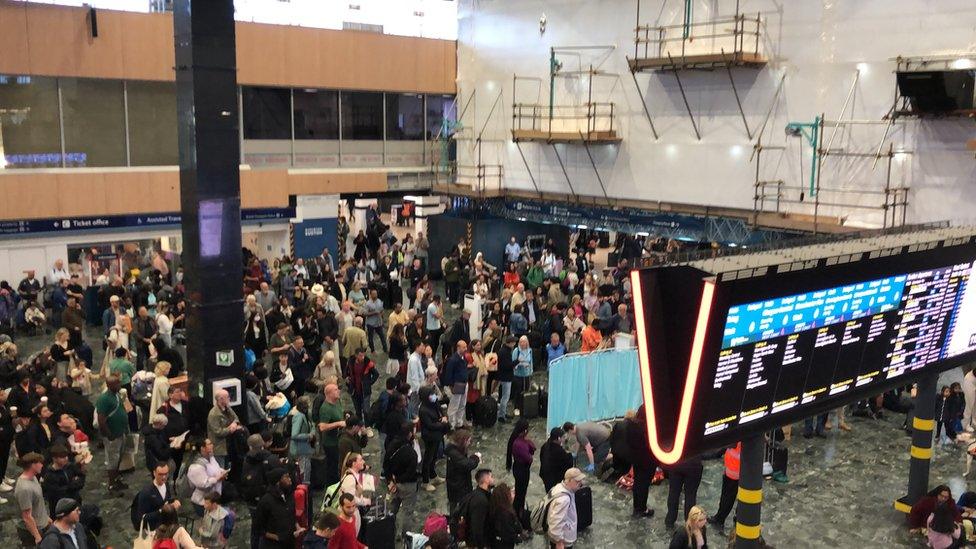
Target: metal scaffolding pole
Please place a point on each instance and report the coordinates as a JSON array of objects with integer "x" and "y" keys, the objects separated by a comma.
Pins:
[
  {"x": 527, "y": 168},
  {"x": 596, "y": 171},
  {"x": 647, "y": 113},
  {"x": 728, "y": 69},
  {"x": 684, "y": 97},
  {"x": 561, "y": 165}
]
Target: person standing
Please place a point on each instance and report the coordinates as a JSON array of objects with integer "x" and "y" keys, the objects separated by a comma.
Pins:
[
  {"x": 506, "y": 373},
  {"x": 434, "y": 324},
  {"x": 522, "y": 358},
  {"x": 644, "y": 465},
  {"x": 730, "y": 486},
  {"x": 344, "y": 537},
  {"x": 205, "y": 474},
  {"x": 969, "y": 391},
  {"x": 330, "y": 422},
  {"x": 562, "y": 511},
  {"x": 415, "y": 377},
  {"x": 274, "y": 519},
  {"x": 30, "y": 499},
  {"x": 513, "y": 252},
  {"x": 518, "y": 459},
  {"x": 685, "y": 476},
  {"x": 361, "y": 373},
  {"x": 222, "y": 422},
  {"x": 150, "y": 500},
  {"x": 505, "y": 525},
  {"x": 146, "y": 334},
  {"x": 554, "y": 460},
  {"x": 66, "y": 530},
  {"x": 113, "y": 425},
  {"x": 460, "y": 465},
  {"x": 478, "y": 506},
  {"x": 6, "y": 442},
  {"x": 456, "y": 377},
  {"x": 302, "y": 437},
  {"x": 373, "y": 311},
  {"x": 433, "y": 426}
]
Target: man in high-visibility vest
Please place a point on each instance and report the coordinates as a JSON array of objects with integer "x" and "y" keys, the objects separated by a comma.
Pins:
[{"x": 730, "y": 486}]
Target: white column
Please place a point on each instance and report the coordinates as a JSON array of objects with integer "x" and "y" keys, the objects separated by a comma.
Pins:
[{"x": 426, "y": 206}]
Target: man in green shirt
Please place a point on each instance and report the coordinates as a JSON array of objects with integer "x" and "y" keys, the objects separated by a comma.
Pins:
[
  {"x": 331, "y": 421},
  {"x": 113, "y": 424},
  {"x": 120, "y": 366}
]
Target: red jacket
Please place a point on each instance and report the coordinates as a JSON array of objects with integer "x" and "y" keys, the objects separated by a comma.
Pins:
[{"x": 344, "y": 536}]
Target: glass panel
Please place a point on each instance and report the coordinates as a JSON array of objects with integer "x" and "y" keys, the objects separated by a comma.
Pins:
[
  {"x": 404, "y": 117},
  {"x": 440, "y": 108},
  {"x": 316, "y": 114},
  {"x": 29, "y": 130},
  {"x": 94, "y": 121},
  {"x": 362, "y": 116},
  {"x": 267, "y": 113},
  {"x": 153, "y": 128}
]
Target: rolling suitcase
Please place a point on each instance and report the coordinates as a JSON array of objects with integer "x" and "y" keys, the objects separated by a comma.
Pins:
[
  {"x": 530, "y": 404},
  {"x": 584, "y": 508},
  {"x": 486, "y": 411},
  {"x": 379, "y": 526}
]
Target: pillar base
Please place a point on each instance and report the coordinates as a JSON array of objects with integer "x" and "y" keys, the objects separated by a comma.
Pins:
[{"x": 901, "y": 504}]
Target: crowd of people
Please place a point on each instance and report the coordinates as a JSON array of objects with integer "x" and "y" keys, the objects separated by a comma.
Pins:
[{"x": 341, "y": 349}]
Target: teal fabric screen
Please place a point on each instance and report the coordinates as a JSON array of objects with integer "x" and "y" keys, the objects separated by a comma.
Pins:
[{"x": 593, "y": 386}]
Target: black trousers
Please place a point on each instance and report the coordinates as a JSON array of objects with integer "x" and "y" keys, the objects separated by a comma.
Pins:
[
  {"x": 521, "y": 473},
  {"x": 729, "y": 490},
  {"x": 427, "y": 469},
  {"x": 519, "y": 386},
  {"x": 6, "y": 441},
  {"x": 643, "y": 473},
  {"x": 678, "y": 482},
  {"x": 331, "y": 464}
]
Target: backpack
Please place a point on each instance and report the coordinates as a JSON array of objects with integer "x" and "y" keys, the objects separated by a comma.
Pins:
[
  {"x": 435, "y": 522},
  {"x": 539, "y": 519},
  {"x": 228, "y": 528},
  {"x": 184, "y": 488},
  {"x": 331, "y": 500},
  {"x": 253, "y": 481},
  {"x": 376, "y": 414},
  {"x": 459, "y": 518},
  {"x": 249, "y": 360}
]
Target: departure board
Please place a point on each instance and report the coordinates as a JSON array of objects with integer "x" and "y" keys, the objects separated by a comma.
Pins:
[
  {"x": 796, "y": 350},
  {"x": 730, "y": 355}
]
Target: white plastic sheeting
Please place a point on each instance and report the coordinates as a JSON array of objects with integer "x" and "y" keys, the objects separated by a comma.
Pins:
[{"x": 820, "y": 46}]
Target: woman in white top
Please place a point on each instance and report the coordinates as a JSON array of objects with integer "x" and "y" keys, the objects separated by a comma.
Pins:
[
  {"x": 164, "y": 325},
  {"x": 480, "y": 287},
  {"x": 352, "y": 483},
  {"x": 160, "y": 388},
  {"x": 169, "y": 528},
  {"x": 120, "y": 332}
]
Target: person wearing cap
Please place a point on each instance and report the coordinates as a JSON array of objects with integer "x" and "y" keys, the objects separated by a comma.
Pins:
[
  {"x": 30, "y": 499},
  {"x": 562, "y": 511},
  {"x": 109, "y": 316},
  {"x": 554, "y": 460},
  {"x": 62, "y": 478},
  {"x": 274, "y": 518},
  {"x": 66, "y": 532}
]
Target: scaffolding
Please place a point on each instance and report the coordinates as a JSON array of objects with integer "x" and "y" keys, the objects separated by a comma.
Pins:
[
  {"x": 723, "y": 42},
  {"x": 587, "y": 123},
  {"x": 777, "y": 196},
  {"x": 479, "y": 176}
]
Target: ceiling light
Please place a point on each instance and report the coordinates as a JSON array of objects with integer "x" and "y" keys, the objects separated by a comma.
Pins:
[{"x": 963, "y": 64}]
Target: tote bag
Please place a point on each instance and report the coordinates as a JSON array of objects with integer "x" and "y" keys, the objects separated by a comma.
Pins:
[{"x": 144, "y": 539}]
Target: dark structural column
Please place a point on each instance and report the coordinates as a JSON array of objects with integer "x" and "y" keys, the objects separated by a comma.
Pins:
[
  {"x": 748, "y": 511},
  {"x": 210, "y": 190},
  {"x": 921, "y": 451}
]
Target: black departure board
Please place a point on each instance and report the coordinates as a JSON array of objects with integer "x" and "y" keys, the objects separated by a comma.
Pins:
[{"x": 772, "y": 349}]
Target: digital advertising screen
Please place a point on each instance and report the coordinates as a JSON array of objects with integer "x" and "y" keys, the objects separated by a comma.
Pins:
[{"x": 768, "y": 350}]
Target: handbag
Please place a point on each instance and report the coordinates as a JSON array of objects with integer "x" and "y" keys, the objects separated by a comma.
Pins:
[{"x": 144, "y": 539}]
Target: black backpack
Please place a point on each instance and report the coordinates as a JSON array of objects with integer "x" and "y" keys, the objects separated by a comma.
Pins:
[
  {"x": 376, "y": 414},
  {"x": 458, "y": 521},
  {"x": 253, "y": 482}
]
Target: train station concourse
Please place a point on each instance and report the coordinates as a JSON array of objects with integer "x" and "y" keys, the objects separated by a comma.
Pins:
[{"x": 683, "y": 274}]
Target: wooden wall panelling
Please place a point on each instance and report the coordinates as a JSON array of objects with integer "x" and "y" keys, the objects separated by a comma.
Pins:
[
  {"x": 261, "y": 54},
  {"x": 264, "y": 188},
  {"x": 148, "y": 51},
  {"x": 13, "y": 39},
  {"x": 335, "y": 183},
  {"x": 129, "y": 192},
  {"x": 29, "y": 197},
  {"x": 81, "y": 193},
  {"x": 164, "y": 189},
  {"x": 301, "y": 58},
  {"x": 60, "y": 43}
]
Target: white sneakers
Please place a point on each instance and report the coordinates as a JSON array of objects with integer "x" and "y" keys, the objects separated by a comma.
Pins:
[
  {"x": 369, "y": 432},
  {"x": 4, "y": 488},
  {"x": 429, "y": 487}
]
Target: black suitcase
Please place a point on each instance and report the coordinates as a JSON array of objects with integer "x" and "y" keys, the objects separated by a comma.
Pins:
[
  {"x": 486, "y": 411},
  {"x": 584, "y": 508},
  {"x": 319, "y": 473},
  {"x": 530, "y": 404},
  {"x": 379, "y": 527}
]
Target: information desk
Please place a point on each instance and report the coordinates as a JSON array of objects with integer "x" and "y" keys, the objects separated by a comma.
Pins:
[{"x": 763, "y": 351}]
